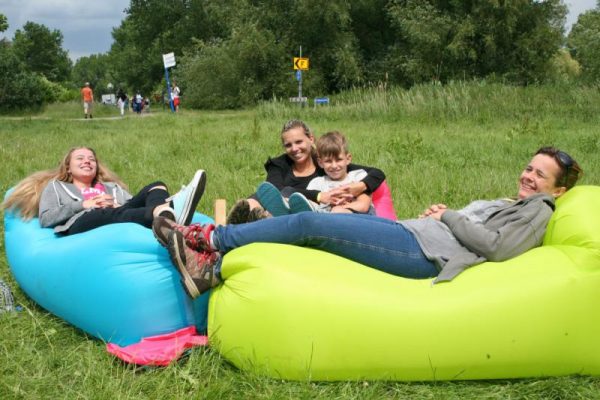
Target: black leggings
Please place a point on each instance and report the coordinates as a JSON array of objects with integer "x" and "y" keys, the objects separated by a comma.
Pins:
[{"x": 138, "y": 209}]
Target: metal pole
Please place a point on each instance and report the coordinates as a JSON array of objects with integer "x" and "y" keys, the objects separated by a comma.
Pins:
[
  {"x": 169, "y": 90},
  {"x": 300, "y": 80}
]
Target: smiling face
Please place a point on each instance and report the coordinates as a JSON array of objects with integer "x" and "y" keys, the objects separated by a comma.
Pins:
[
  {"x": 540, "y": 177},
  {"x": 297, "y": 145},
  {"x": 83, "y": 167},
  {"x": 336, "y": 166}
]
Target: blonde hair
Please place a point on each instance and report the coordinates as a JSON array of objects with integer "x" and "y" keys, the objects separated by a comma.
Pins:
[
  {"x": 26, "y": 195},
  {"x": 332, "y": 144}
]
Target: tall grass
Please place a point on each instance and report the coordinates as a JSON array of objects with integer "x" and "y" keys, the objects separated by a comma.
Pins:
[{"x": 452, "y": 143}]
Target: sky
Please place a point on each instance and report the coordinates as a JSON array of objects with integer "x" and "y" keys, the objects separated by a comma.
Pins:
[{"x": 86, "y": 25}]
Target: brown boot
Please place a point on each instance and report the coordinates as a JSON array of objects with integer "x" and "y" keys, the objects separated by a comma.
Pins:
[
  {"x": 239, "y": 213},
  {"x": 257, "y": 213},
  {"x": 197, "y": 269},
  {"x": 196, "y": 236}
]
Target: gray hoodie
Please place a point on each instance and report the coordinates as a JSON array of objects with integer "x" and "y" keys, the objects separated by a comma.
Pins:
[
  {"x": 484, "y": 230},
  {"x": 61, "y": 203}
]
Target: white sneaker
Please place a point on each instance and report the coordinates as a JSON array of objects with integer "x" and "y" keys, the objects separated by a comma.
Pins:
[
  {"x": 298, "y": 203},
  {"x": 186, "y": 200}
]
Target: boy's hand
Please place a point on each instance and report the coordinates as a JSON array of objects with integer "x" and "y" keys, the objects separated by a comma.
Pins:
[{"x": 337, "y": 196}]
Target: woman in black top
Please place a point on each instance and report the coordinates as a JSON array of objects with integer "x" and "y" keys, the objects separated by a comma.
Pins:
[{"x": 291, "y": 172}]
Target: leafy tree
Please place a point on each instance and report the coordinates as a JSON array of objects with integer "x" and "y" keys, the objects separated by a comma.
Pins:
[
  {"x": 237, "y": 52},
  {"x": 95, "y": 69},
  {"x": 452, "y": 39},
  {"x": 19, "y": 88},
  {"x": 155, "y": 27},
  {"x": 41, "y": 51},
  {"x": 3, "y": 23},
  {"x": 246, "y": 71},
  {"x": 584, "y": 44}
]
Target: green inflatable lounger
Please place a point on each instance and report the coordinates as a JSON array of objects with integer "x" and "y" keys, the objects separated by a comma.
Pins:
[{"x": 302, "y": 314}]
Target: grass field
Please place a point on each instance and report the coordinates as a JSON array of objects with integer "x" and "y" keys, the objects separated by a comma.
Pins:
[{"x": 436, "y": 144}]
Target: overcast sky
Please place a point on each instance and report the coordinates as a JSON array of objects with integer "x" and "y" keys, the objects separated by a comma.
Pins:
[{"x": 86, "y": 25}]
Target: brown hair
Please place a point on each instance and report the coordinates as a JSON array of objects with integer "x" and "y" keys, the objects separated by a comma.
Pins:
[
  {"x": 332, "y": 143},
  {"x": 570, "y": 171},
  {"x": 26, "y": 195},
  {"x": 296, "y": 123}
]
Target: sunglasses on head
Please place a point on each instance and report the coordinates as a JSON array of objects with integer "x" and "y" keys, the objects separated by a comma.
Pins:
[{"x": 566, "y": 162}]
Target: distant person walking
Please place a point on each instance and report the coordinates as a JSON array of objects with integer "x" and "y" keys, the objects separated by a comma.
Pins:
[
  {"x": 88, "y": 99},
  {"x": 175, "y": 91},
  {"x": 122, "y": 102}
]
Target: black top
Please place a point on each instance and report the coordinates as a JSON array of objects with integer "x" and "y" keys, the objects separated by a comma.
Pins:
[{"x": 281, "y": 174}]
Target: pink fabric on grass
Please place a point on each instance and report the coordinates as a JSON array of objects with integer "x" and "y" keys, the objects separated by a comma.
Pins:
[
  {"x": 159, "y": 350},
  {"x": 382, "y": 201}
]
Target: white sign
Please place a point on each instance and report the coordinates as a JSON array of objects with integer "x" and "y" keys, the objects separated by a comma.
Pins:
[
  {"x": 169, "y": 60},
  {"x": 299, "y": 99}
]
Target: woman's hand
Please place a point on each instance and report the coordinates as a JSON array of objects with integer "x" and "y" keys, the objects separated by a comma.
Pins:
[
  {"x": 434, "y": 211},
  {"x": 100, "y": 201}
]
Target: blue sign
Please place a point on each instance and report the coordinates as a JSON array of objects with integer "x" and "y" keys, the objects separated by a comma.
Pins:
[{"x": 298, "y": 75}]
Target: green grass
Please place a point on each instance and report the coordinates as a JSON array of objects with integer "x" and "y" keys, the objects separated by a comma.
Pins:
[{"x": 436, "y": 144}]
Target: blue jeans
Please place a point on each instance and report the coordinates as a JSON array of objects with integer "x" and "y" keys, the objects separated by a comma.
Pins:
[{"x": 376, "y": 242}]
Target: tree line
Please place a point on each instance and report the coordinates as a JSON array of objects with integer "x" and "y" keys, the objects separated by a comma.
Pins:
[{"x": 234, "y": 53}]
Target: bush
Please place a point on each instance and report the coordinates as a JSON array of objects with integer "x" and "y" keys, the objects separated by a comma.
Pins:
[
  {"x": 19, "y": 88},
  {"x": 236, "y": 72}
]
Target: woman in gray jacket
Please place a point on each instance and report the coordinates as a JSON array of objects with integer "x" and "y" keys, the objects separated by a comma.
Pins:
[
  {"x": 82, "y": 194},
  {"x": 442, "y": 242}
]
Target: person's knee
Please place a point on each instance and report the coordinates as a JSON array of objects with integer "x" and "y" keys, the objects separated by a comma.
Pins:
[{"x": 158, "y": 185}]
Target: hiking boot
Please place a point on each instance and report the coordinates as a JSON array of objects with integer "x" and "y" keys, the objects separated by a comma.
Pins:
[
  {"x": 299, "y": 203},
  {"x": 271, "y": 199},
  {"x": 197, "y": 269},
  {"x": 186, "y": 200},
  {"x": 239, "y": 213},
  {"x": 196, "y": 236},
  {"x": 257, "y": 214}
]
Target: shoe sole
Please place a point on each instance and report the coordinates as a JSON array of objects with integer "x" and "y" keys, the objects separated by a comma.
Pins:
[
  {"x": 239, "y": 213},
  {"x": 272, "y": 200},
  {"x": 156, "y": 228},
  {"x": 177, "y": 254},
  {"x": 198, "y": 183},
  {"x": 299, "y": 204}
]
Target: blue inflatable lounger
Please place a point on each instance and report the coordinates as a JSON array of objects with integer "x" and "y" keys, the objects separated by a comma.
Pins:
[{"x": 114, "y": 282}]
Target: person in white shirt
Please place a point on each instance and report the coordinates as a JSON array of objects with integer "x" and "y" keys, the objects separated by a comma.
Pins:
[{"x": 333, "y": 156}]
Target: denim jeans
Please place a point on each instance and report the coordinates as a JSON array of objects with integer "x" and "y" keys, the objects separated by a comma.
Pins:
[{"x": 376, "y": 242}]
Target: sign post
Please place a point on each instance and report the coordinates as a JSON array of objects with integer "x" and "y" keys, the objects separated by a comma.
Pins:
[
  {"x": 300, "y": 64},
  {"x": 169, "y": 61}
]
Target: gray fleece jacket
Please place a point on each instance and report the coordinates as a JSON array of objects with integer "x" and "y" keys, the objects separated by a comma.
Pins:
[
  {"x": 61, "y": 203},
  {"x": 484, "y": 230}
]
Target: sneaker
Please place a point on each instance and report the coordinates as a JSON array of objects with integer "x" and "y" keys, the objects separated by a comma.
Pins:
[
  {"x": 272, "y": 200},
  {"x": 196, "y": 236},
  {"x": 257, "y": 214},
  {"x": 239, "y": 213},
  {"x": 186, "y": 200},
  {"x": 197, "y": 269},
  {"x": 165, "y": 211},
  {"x": 299, "y": 202}
]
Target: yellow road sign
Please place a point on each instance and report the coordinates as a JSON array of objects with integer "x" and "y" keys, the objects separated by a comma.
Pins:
[{"x": 301, "y": 63}]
